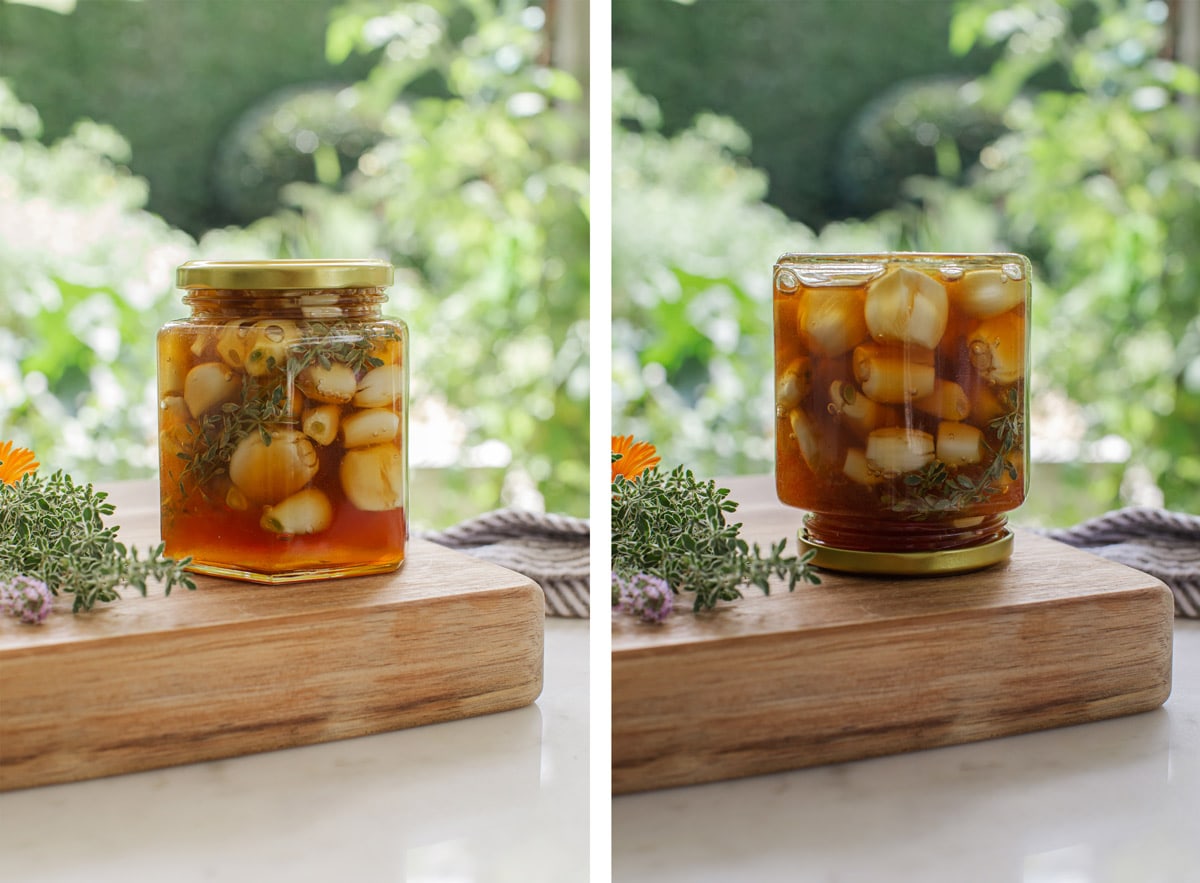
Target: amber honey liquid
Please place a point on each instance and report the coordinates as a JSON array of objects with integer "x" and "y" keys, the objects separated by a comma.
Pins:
[
  {"x": 282, "y": 448},
  {"x": 900, "y": 400}
]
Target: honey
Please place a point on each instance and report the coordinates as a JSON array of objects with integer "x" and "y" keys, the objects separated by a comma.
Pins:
[
  {"x": 901, "y": 406},
  {"x": 283, "y": 421}
]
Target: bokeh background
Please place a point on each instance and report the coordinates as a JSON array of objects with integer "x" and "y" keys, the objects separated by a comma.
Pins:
[
  {"x": 448, "y": 136},
  {"x": 1067, "y": 130}
]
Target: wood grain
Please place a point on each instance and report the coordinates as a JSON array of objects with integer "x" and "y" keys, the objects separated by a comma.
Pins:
[
  {"x": 866, "y": 666},
  {"x": 235, "y": 668}
]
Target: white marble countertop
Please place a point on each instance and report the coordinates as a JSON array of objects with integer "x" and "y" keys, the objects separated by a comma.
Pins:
[
  {"x": 502, "y": 797},
  {"x": 1116, "y": 800}
]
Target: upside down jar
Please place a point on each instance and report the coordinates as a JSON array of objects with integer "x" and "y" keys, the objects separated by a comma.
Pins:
[
  {"x": 901, "y": 406},
  {"x": 283, "y": 421}
]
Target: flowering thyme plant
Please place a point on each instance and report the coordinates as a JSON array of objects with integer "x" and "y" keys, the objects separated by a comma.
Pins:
[
  {"x": 671, "y": 527},
  {"x": 53, "y": 539}
]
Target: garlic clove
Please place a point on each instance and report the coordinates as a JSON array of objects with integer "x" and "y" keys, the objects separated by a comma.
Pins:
[
  {"x": 174, "y": 410},
  {"x": 830, "y": 320},
  {"x": 996, "y": 347},
  {"x": 373, "y": 478},
  {"x": 959, "y": 444},
  {"x": 373, "y": 426},
  {"x": 321, "y": 423},
  {"x": 268, "y": 345},
  {"x": 897, "y": 450},
  {"x": 858, "y": 470},
  {"x": 308, "y": 511},
  {"x": 890, "y": 375},
  {"x": 946, "y": 400},
  {"x": 173, "y": 361},
  {"x": 907, "y": 306},
  {"x": 857, "y": 412},
  {"x": 794, "y": 384},
  {"x": 806, "y": 438},
  {"x": 234, "y": 341},
  {"x": 335, "y": 384},
  {"x": 380, "y": 387},
  {"x": 208, "y": 385},
  {"x": 986, "y": 293},
  {"x": 267, "y": 473}
]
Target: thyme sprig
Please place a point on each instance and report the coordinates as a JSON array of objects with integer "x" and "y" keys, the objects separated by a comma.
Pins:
[
  {"x": 261, "y": 406},
  {"x": 264, "y": 401},
  {"x": 52, "y": 529},
  {"x": 935, "y": 489},
  {"x": 326, "y": 343},
  {"x": 672, "y": 525}
]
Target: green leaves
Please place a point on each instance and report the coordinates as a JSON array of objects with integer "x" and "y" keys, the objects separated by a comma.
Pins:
[
  {"x": 673, "y": 526},
  {"x": 52, "y": 529}
]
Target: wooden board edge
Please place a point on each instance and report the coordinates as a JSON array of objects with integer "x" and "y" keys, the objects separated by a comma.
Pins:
[{"x": 1155, "y": 594}]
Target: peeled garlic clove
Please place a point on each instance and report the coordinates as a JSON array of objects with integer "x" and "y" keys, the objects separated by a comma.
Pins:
[
  {"x": 997, "y": 348},
  {"x": 387, "y": 350},
  {"x": 1014, "y": 471},
  {"x": 858, "y": 412},
  {"x": 986, "y": 293},
  {"x": 959, "y": 444},
  {"x": 794, "y": 384},
  {"x": 321, "y": 423},
  {"x": 234, "y": 341},
  {"x": 174, "y": 409},
  {"x": 267, "y": 473},
  {"x": 321, "y": 305},
  {"x": 946, "y": 400},
  {"x": 858, "y": 470},
  {"x": 268, "y": 345},
  {"x": 335, "y": 384},
  {"x": 209, "y": 385},
  {"x": 888, "y": 375},
  {"x": 830, "y": 320},
  {"x": 986, "y": 406},
  {"x": 896, "y": 450},
  {"x": 806, "y": 437},
  {"x": 373, "y": 426},
  {"x": 173, "y": 361},
  {"x": 373, "y": 478},
  {"x": 380, "y": 387},
  {"x": 906, "y": 306},
  {"x": 308, "y": 511}
]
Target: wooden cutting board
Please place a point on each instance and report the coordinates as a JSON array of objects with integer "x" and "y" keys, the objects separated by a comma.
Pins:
[
  {"x": 865, "y": 666},
  {"x": 234, "y": 668}
]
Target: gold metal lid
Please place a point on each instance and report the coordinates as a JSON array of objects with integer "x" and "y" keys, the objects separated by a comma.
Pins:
[
  {"x": 284, "y": 274},
  {"x": 939, "y": 563}
]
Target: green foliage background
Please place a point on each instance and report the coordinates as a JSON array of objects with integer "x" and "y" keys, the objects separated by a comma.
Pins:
[
  {"x": 793, "y": 74},
  {"x": 475, "y": 188},
  {"x": 1095, "y": 177}
]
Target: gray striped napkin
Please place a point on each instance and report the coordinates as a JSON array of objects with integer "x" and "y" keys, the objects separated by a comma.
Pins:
[
  {"x": 552, "y": 550},
  {"x": 1159, "y": 542}
]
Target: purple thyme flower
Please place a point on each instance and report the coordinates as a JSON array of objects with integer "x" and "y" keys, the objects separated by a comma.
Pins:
[
  {"x": 646, "y": 596},
  {"x": 26, "y": 598}
]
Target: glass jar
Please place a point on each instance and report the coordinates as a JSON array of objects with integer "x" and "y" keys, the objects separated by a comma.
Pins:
[
  {"x": 283, "y": 421},
  {"x": 901, "y": 403}
]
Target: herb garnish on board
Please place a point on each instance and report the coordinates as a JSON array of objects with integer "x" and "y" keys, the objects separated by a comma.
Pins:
[
  {"x": 672, "y": 526},
  {"x": 52, "y": 530}
]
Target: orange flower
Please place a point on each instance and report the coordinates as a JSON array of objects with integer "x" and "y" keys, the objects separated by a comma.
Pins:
[
  {"x": 633, "y": 459},
  {"x": 15, "y": 462}
]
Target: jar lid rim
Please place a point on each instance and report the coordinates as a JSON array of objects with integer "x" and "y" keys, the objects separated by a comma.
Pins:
[
  {"x": 932, "y": 563},
  {"x": 285, "y": 274}
]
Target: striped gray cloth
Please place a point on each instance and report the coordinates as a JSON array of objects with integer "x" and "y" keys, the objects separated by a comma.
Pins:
[
  {"x": 552, "y": 550},
  {"x": 1159, "y": 542}
]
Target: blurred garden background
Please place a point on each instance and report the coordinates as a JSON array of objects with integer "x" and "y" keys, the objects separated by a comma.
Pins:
[
  {"x": 448, "y": 136},
  {"x": 1067, "y": 130}
]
